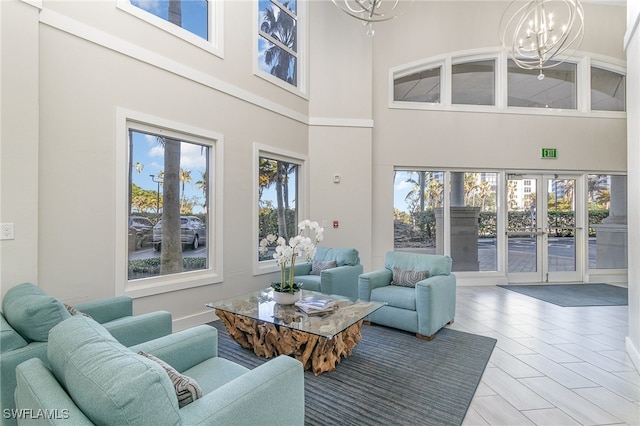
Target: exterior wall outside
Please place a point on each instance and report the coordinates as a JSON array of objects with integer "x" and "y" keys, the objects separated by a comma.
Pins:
[{"x": 632, "y": 44}]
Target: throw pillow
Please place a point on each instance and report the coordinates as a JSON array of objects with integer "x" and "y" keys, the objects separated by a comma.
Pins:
[
  {"x": 320, "y": 265},
  {"x": 407, "y": 278},
  {"x": 31, "y": 312},
  {"x": 73, "y": 311},
  {"x": 187, "y": 388}
]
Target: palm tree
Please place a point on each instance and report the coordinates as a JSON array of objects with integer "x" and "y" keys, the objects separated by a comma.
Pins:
[
  {"x": 185, "y": 177},
  {"x": 202, "y": 185},
  {"x": 171, "y": 254},
  {"x": 282, "y": 28}
]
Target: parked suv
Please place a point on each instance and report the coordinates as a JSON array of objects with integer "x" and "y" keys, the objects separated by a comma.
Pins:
[
  {"x": 193, "y": 232},
  {"x": 140, "y": 231}
]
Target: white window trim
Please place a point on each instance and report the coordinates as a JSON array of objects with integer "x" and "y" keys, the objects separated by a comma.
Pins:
[
  {"x": 260, "y": 150},
  {"x": 126, "y": 119},
  {"x": 214, "y": 45},
  {"x": 583, "y": 60},
  {"x": 302, "y": 57}
]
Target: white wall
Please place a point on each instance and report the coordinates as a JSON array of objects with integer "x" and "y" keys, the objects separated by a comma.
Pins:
[
  {"x": 632, "y": 44},
  {"x": 19, "y": 173}
]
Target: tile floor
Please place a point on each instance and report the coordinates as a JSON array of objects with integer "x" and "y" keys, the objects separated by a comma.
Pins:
[{"x": 551, "y": 365}]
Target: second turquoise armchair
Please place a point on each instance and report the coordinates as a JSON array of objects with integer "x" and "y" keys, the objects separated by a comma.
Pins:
[{"x": 341, "y": 279}]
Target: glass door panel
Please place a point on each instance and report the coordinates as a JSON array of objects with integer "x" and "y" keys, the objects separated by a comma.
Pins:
[
  {"x": 523, "y": 230},
  {"x": 542, "y": 228}
]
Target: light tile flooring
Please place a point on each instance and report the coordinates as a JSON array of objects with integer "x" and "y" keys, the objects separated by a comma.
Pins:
[{"x": 551, "y": 365}]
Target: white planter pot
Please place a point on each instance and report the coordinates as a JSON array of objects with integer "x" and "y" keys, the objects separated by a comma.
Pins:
[{"x": 286, "y": 298}]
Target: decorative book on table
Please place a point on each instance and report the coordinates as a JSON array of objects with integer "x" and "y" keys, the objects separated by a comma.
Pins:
[{"x": 316, "y": 305}]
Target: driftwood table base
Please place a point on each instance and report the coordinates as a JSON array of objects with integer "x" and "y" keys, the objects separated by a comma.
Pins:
[{"x": 316, "y": 353}]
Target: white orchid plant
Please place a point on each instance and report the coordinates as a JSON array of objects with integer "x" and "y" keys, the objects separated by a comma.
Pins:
[{"x": 302, "y": 245}]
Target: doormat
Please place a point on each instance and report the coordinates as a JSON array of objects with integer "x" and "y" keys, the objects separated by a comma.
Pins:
[{"x": 575, "y": 295}]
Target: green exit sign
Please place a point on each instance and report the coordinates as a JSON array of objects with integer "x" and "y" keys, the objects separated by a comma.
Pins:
[{"x": 549, "y": 153}]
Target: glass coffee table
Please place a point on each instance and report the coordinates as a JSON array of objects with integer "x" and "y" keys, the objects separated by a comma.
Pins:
[{"x": 317, "y": 340}]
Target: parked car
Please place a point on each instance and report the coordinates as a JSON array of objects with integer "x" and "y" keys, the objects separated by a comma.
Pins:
[
  {"x": 140, "y": 231},
  {"x": 193, "y": 232}
]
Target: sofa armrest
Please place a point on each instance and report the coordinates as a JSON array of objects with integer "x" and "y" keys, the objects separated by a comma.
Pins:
[
  {"x": 272, "y": 393},
  {"x": 371, "y": 280},
  {"x": 184, "y": 349},
  {"x": 140, "y": 328},
  {"x": 106, "y": 310},
  {"x": 39, "y": 392},
  {"x": 342, "y": 280},
  {"x": 8, "y": 363}
]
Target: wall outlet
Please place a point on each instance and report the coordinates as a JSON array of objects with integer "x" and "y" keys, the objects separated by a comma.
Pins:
[{"x": 6, "y": 231}]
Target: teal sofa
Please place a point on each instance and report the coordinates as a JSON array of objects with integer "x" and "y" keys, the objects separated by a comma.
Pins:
[
  {"x": 340, "y": 280},
  {"x": 28, "y": 314},
  {"x": 422, "y": 309},
  {"x": 93, "y": 379}
]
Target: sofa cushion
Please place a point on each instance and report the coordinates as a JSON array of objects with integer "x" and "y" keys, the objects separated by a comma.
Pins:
[
  {"x": 342, "y": 256},
  {"x": 187, "y": 388},
  {"x": 396, "y": 296},
  {"x": 110, "y": 383},
  {"x": 407, "y": 278},
  {"x": 309, "y": 282},
  {"x": 31, "y": 312},
  {"x": 320, "y": 265},
  {"x": 9, "y": 338}
]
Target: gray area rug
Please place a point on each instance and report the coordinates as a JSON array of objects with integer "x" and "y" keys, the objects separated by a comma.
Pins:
[
  {"x": 575, "y": 295},
  {"x": 391, "y": 378}
]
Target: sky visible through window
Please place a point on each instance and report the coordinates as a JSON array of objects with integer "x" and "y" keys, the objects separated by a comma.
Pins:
[
  {"x": 195, "y": 14},
  {"x": 148, "y": 159}
]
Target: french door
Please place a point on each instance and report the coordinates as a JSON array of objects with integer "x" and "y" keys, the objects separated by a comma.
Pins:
[{"x": 544, "y": 228}]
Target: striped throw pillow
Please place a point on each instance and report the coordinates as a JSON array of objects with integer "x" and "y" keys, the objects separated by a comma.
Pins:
[
  {"x": 407, "y": 278},
  {"x": 187, "y": 388},
  {"x": 320, "y": 265}
]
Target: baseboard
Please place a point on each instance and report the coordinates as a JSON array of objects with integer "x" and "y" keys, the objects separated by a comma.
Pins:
[
  {"x": 193, "y": 320},
  {"x": 633, "y": 353}
]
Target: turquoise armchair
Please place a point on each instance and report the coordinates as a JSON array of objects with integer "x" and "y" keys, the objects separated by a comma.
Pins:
[
  {"x": 341, "y": 279},
  {"x": 92, "y": 379},
  {"x": 28, "y": 314},
  {"x": 422, "y": 309}
]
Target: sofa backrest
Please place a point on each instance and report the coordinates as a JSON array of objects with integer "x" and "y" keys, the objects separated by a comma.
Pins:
[
  {"x": 9, "y": 338},
  {"x": 342, "y": 256},
  {"x": 110, "y": 383},
  {"x": 31, "y": 312},
  {"x": 435, "y": 264}
]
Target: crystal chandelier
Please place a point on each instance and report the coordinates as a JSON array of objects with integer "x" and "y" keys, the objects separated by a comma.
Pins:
[
  {"x": 541, "y": 34},
  {"x": 370, "y": 11}
]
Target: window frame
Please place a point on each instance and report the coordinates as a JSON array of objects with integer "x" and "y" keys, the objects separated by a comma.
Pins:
[
  {"x": 583, "y": 60},
  {"x": 301, "y": 55},
  {"x": 131, "y": 120},
  {"x": 302, "y": 203},
  {"x": 214, "y": 44}
]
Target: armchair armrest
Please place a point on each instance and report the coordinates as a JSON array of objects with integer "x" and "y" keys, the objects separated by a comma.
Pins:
[
  {"x": 303, "y": 268},
  {"x": 39, "y": 391},
  {"x": 184, "y": 349},
  {"x": 342, "y": 280},
  {"x": 272, "y": 393},
  {"x": 435, "y": 303},
  {"x": 371, "y": 280},
  {"x": 106, "y": 310},
  {"x": 131, "y": 330}
]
